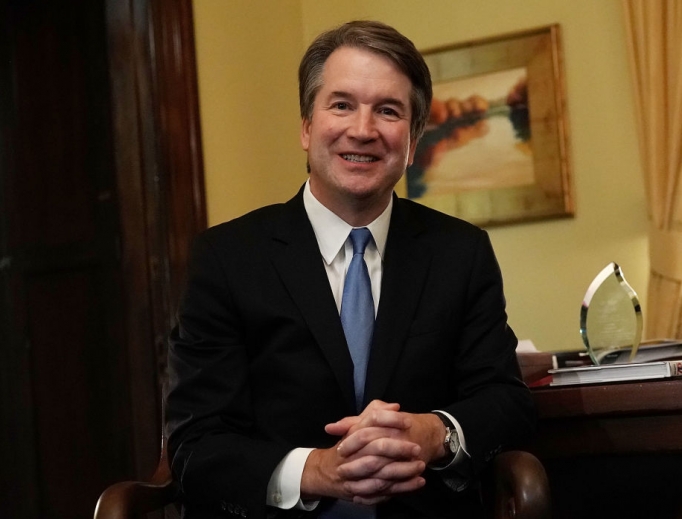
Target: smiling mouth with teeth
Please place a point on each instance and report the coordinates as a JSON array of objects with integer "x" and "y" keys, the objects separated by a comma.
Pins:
[{"x": 359, "y": 158}]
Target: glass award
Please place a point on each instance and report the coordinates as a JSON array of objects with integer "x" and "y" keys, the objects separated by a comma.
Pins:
[{"x": 610, "y": 316}]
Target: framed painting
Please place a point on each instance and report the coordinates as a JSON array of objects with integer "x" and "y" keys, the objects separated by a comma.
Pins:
[{"x": 495, "y": 149}]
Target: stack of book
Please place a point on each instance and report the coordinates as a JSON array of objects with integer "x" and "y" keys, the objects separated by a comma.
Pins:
[{"x": 655, "y": 359}]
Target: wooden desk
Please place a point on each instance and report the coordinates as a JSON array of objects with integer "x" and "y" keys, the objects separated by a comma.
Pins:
[
  {"x": 643, "y": 417},
  {"x": 612, "y": 450}
]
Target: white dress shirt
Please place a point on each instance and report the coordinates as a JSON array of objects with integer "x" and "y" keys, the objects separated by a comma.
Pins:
[{"x": 332, "y": 234}]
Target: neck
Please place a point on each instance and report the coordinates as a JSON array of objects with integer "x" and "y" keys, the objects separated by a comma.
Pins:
[{"x": 355, "y": 211}]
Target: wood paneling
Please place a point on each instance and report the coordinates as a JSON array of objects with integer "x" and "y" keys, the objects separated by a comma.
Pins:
[
  {"x": 101, "y": 187},
  {"x": 612, "y": 450}
]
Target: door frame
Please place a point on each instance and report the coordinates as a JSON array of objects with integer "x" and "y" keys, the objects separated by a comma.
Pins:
[{"x": 159, "y": 170}]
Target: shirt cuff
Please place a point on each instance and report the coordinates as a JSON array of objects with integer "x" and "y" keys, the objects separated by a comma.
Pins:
[
  {"x": 284, "y": 487},
  {"x": 462, "y": 456}
]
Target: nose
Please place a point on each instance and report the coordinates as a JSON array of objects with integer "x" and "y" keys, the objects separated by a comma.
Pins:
[{"x": 363, "y": 125}]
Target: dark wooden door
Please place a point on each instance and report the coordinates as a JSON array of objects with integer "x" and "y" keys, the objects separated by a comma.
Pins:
[
  {"x": 91, "y": 251},
  {"x": 63, "y": 369}
]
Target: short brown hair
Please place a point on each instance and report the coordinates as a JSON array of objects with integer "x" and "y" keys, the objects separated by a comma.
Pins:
[{"x": 376, "y": 37}]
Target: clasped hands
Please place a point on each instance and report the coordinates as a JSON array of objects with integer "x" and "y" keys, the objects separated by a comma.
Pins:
[{"x": 381, "y": 453}]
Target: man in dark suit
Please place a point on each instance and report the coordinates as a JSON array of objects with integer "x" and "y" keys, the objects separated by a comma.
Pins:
[{"x": 272, "y": 408}]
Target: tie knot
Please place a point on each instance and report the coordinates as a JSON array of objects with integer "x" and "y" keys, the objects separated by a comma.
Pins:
[{"x": 360, "y": 238}]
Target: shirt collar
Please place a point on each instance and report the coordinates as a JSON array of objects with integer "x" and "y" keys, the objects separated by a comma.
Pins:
[{"x": 331, "y": 231}]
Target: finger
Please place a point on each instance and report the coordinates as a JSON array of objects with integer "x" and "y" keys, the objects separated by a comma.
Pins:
[
  {"x": 342, "y": 426},
  {"x": 372, "y": 488},
  {"x": 368, "y": 488},
  {"x": 401, "y": 487},
  {"x": 382, "y": 418},
  {"x": 362, "y": 468},
  {"x": 362, "y": 437},
  {"x": 400, "y": 471},
  {"x": 380, "y": 466},
  {"x": 378, "y": 441}
]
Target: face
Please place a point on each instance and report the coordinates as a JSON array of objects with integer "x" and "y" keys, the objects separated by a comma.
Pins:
[{"x": 358, "y": 138}]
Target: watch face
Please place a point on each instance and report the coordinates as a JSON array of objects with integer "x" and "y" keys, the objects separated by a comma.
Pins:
[{"x": 454, "y": 442}]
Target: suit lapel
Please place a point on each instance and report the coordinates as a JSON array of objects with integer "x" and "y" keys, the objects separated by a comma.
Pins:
[
  {"x": 296, "y": 257},
  {"x": 405, "y": 268}
]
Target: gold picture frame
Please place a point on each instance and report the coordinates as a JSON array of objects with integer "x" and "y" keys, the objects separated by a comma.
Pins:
[{"x": 495, "y": 150}]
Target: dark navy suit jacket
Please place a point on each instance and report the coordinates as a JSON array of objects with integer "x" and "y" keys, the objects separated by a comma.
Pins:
[{"x": 259, "y": 363}]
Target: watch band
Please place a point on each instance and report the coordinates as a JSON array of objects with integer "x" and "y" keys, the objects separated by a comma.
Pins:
[{"x": 448, "y": 442}]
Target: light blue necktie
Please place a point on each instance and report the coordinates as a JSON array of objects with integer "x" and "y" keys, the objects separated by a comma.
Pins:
[
  {"x": 357, "y": 311},
  {"x": 357, "y": 318}
]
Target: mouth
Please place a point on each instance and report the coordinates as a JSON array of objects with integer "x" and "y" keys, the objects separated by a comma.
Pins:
[{"x": 353, "y": 157}]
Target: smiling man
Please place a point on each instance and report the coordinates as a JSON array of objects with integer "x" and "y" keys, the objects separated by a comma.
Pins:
[
  {"x": 345, "y": 354},
  {"x": 358, "y": 134}
]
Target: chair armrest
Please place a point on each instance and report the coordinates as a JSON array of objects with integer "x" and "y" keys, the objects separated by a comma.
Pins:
[
  {"x": 519, "y": 486},
  {"x": 129, "y": 499}
]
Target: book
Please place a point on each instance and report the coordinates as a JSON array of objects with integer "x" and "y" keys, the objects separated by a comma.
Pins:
[
  {"x": 616, "y": 372},
  {"x": 648, "y": 351},
  {"x": 535, "y": 365},
  {"x": 571, "y": 359}
]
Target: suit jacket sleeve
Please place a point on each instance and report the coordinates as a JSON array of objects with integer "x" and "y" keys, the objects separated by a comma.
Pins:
[
  {"x": 493, "y": 405},
  {"x": 441, "y": 339},
  {"x": 217, "y": 455}
]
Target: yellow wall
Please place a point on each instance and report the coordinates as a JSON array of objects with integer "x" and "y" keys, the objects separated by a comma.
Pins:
[
  {"x": 247, "y": 59},
  {"x": 248, "y": 52}
]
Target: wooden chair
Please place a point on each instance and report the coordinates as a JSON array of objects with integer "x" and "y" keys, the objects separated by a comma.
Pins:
[
  {"x": 515, "y": 487},
  {"x": 132, "y": 499}
]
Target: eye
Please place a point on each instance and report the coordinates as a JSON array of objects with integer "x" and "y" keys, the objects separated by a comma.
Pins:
[
  {"x": 389, "y": 112},
  {"x": 341, "y": 105}
]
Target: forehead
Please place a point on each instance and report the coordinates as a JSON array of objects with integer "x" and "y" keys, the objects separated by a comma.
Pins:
[{"x": 357, "y": 68}]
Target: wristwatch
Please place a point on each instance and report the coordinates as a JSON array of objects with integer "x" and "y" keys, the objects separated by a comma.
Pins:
[{"x": 450, "y": 442}]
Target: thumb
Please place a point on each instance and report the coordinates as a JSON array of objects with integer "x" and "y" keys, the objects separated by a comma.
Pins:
[{"x": 342, "y": 426}]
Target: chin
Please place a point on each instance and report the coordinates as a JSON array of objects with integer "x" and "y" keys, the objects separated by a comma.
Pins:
[
  {"x": 367, "y": 194},
  {"x": 360, "y": 187}
]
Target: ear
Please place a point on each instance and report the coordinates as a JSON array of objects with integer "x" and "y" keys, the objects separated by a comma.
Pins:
[
  {"x": 305, "y": 134},
  {"x": 410, "y": 155}
]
